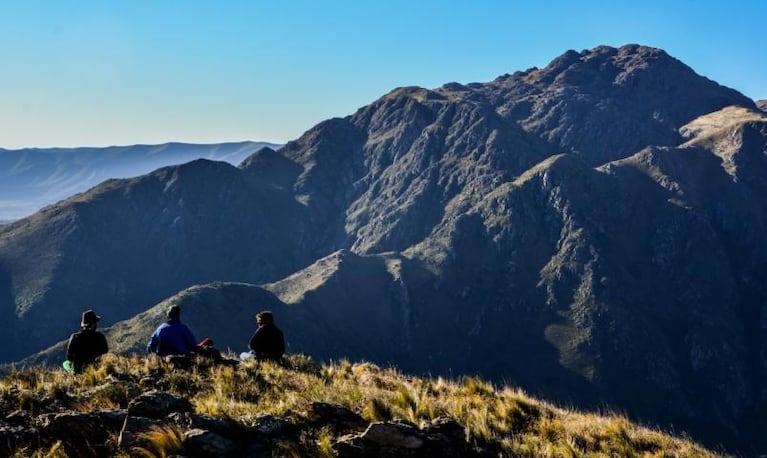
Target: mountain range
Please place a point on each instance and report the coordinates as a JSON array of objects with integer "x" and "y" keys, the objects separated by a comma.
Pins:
[
  {"x": 591, "y": 231},
  {"x": 31, "y": 178}
]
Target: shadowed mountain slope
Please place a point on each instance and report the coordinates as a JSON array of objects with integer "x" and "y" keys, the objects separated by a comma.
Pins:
[
  {"x": 591, "y": 231},
  {"x": 129, "y": 243},
  {"x": 300, "y": 301}
]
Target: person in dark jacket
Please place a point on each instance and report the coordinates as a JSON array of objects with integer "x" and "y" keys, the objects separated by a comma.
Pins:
[
  {"x": 87, "y": 345},
  {"x": 172, "y": 337},
  {"x": 268, "y": 341}
]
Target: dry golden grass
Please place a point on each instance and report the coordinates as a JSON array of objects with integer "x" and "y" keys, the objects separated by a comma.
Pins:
[
  {"x": 502, "y": 419},
  {"x": 55, "y": 451},
  {"x": 163, "y": 442}
]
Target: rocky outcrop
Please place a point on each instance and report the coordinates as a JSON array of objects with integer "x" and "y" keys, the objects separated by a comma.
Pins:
[
  {"x": 103, "y": 433},
  {"x": 157, "y": 404},
  {"x": 202, "y": 443},
  {"x": 399, "y": 438},
  {"x": 339, "y": 418}
]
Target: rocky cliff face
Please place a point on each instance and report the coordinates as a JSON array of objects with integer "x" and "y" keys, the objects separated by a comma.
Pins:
[{"x": 590, "y": 231}]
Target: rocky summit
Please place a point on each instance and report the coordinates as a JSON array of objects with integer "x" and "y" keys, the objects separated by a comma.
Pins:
[{"x": 590, "y": 231}]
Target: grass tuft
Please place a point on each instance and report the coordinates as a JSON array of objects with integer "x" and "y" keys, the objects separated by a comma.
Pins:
[{"x": 163, "y": 442}]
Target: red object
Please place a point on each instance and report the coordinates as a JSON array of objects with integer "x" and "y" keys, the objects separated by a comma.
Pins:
[{"x": 205, "y": 342}]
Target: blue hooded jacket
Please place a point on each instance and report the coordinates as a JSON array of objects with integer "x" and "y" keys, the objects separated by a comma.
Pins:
[{"x": 172, "y": 338}]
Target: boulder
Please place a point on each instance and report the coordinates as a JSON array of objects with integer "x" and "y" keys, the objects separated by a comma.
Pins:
[
  {"x": 394, "y": 434},
  {"x": 273, "y": 427},
  {"x": 14, "y": 437},
  {"x": 258, "y": 449},
  {"x": 158, "y": 404},
  {"x": 82, "y": 434},
  {"x": 186, "y": 421},
  {"x": 18, "y": 417},
  {"x": 350, "y": 447},
  {"x": 382, "y": 439},
  {"x": 113, "y": 419},
  {"x": 453, "y": 433},
  {"x": 442, "y": 437},
  {"x": 337, "y": 417},
  {"x": 202, "y": 443}
]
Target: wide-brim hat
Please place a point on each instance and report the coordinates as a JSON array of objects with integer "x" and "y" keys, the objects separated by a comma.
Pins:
[{"x": 90, "y": 317}]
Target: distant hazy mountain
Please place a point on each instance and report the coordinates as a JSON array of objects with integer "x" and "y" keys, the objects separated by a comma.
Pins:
[
  {"x": 592, "y": 231},
  {"x": 34, "y": 177}
]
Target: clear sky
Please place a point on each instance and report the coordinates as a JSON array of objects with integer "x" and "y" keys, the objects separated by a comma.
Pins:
[{"x": 96, "y": 73}]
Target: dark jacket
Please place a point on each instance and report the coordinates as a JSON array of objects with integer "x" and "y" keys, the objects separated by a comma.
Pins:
[
  {"x": 268, "y": 342},
  {"x": 172, "y": 338},
  {"x": 85, "y": 347}
]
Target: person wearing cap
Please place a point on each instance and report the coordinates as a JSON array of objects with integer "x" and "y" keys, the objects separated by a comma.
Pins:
[
  {"x": 172, "y": 337},
  {"x": 268, "y": 341},
  {"x": 87, "y": 345}
]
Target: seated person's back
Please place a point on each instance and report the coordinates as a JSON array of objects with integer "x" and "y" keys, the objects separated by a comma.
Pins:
[
  {"x": 268, "y": 341},
  {"x": 87, "y": 345},
  {"x": 172, "y": 337}
]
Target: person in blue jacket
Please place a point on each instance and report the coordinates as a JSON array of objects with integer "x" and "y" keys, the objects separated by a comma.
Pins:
[{"x": 172, "y": 337}]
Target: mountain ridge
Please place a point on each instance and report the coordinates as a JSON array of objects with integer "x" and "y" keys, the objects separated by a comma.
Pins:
[
  {"x": 35, "y": 177},
  {"x": 590, "y": 230}
]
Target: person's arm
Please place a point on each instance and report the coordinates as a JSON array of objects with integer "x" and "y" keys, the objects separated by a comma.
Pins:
[
  {"x": 72, "y": 348},
  {"x": 255, "y": 340},
  {"x": 151, "y": 347},
  {"x": 281, "y": 344},
  {"x": 191, "y": 342},
  {"x": 103, "y": 346}
]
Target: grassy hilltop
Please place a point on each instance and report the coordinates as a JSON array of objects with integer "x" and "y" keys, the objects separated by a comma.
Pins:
[{"x": 300, "y": 409}]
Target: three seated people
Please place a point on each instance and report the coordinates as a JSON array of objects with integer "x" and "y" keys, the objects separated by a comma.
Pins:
[{"x": 173, "y": 340}]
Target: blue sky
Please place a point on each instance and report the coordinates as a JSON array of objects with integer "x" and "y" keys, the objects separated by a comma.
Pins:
[{"x": 77, "y": 73}]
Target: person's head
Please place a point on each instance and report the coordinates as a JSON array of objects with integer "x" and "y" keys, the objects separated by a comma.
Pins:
[
  {"x": 264, "y": 318},
  {"x": 89, "y": 319},
  {"x": 174, "y": 312}
]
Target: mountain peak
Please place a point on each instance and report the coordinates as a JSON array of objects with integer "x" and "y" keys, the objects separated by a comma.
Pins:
[
  {"x": 608, "y": 103},
  {"x": 604, "y": 62}
]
